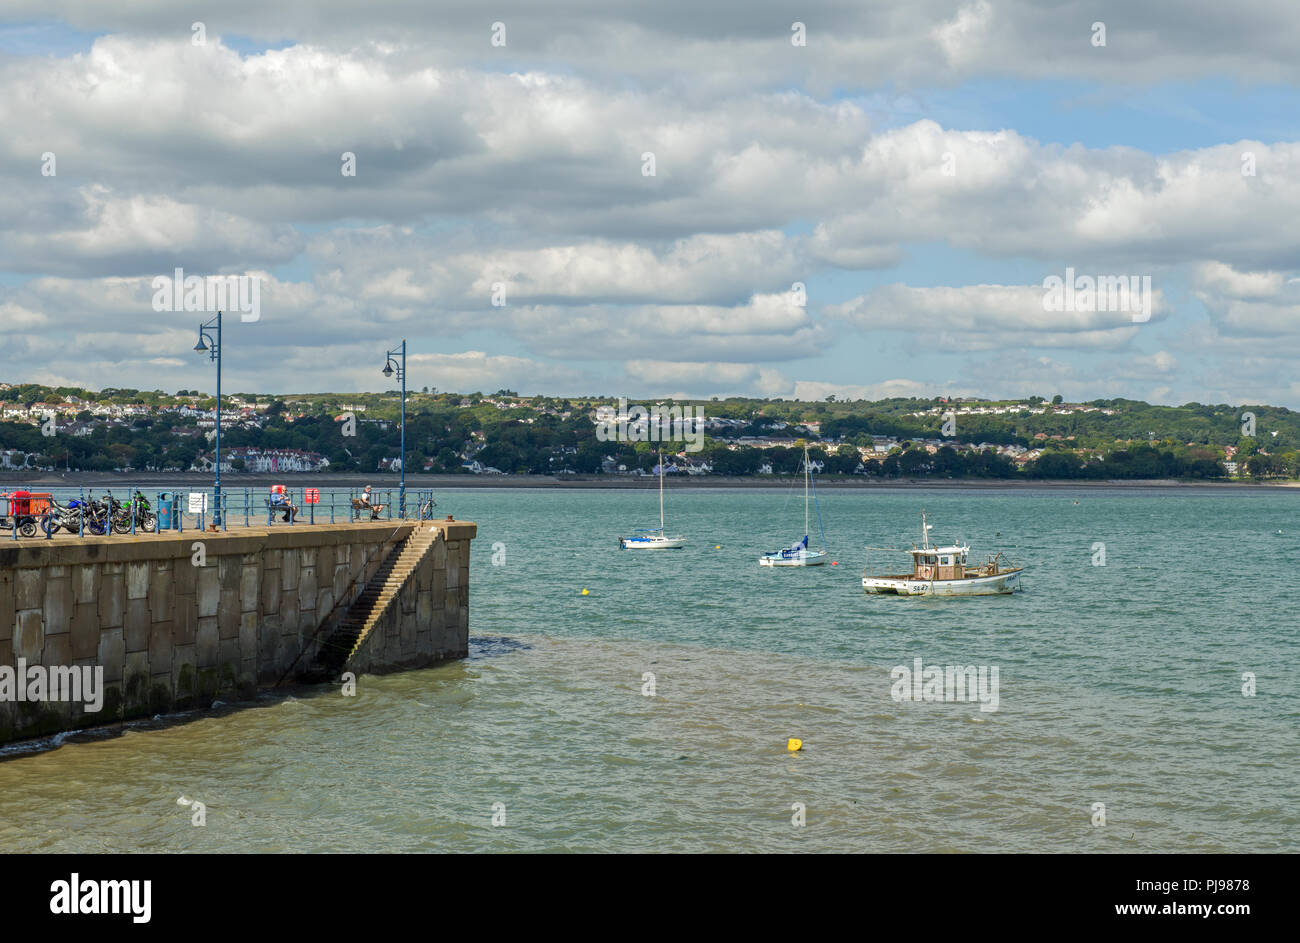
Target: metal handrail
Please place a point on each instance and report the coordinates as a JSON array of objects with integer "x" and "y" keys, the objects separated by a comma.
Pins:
[{"x": 255, "y": 503}]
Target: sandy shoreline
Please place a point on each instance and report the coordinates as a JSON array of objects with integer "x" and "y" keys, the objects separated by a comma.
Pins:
[{"x": 197, "y": 481}]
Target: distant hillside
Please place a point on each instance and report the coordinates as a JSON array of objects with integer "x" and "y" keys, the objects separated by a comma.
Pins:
[{"x": 453, "y": 432}]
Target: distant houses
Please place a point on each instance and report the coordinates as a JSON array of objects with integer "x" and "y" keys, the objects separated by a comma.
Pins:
[
  {"x": 265, "y": 461},
  {"x": 957, "y": 407}
]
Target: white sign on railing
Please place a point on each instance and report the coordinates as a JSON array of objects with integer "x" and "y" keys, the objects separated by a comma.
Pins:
[{"x": 198, "y": 502}]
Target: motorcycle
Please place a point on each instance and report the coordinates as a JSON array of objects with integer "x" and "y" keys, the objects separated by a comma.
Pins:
[
  {"x": 61, "y": 517},
  {"x": 97, "y": 519},
  {"x": 74, "y": 516},
  {"x": 137, "y": 509}
]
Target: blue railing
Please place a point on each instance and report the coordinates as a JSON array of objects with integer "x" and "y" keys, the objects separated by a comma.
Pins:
[{"x": 249, "y": 507}]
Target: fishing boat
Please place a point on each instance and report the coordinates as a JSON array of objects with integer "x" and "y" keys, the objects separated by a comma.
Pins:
[
  {"x": 944, "y": 571},
  {"x": 653, "y": 538},
  {"x": 799, "y": 554}
]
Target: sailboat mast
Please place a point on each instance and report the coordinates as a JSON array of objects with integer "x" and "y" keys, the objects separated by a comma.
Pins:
[
  {"x": 661, "y": 490},
  {"x": 806, "y": 473}
]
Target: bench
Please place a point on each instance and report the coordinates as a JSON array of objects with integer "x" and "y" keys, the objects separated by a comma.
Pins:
[
  {"x": 359, "y": 506},
  {"x": 273, "y": 509}
]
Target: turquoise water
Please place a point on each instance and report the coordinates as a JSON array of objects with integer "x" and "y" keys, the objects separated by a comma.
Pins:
[{"x": 1119, "y": 684}]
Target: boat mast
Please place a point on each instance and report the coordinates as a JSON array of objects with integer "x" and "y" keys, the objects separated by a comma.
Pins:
[
  {"x": 806, "y": 473},
  {"x": 925, "y": 533},
  {"x": 661, "y": 490}
]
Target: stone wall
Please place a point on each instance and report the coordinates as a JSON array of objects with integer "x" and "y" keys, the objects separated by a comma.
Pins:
[
  {"x": 428, "y": 622},
  {"x": 174, "y": 635}
]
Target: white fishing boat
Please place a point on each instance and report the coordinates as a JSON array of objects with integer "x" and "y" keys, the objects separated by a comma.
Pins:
[
  {"x": 653, "y": 538},
  {"x": 944, "y": 571},
  {"x": 799, "y": 554}
]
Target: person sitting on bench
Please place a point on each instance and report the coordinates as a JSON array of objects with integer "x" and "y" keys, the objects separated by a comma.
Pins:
[
  {"x": 374, "y": 508},
  {"x": 280, "y": 502}
]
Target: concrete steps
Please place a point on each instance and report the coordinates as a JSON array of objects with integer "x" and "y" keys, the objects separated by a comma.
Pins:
[{"x": 368, "y": 608}]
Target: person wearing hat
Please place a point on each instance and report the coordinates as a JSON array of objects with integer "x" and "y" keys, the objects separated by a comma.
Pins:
[{"x": 374, "y": 508}]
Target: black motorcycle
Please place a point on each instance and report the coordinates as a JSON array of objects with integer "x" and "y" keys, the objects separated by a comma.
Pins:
[
  {"x": 89, "y": 515},
  {"x": 62, "y": 517},
  {"x": 97, "y": 514}
]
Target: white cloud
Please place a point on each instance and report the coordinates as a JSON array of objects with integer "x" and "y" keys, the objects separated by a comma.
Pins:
[
  {"x": 768, "y": 327},
  {"x": 656, "y": 377},
  {"x": 983, "y": 317},
  {"x": 847, "y": 43},
  {"x": 478, "y": 370},
  {"x": 962, "y": 37},
  {"x": 204, "y": 151},
  {"x": 394, "y": 265},
  {"x": 1251, "y": 304},
  {"x": 1226, "y": 281}
]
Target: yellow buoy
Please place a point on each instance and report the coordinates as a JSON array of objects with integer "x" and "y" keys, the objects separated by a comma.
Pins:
[
  {"x": 719, "y": 546},
  {"x": 794, "y": 744},
  {"x": 586, "y": 592}
]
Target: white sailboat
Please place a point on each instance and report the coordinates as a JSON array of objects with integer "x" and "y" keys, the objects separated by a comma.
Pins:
[
  {"x": 650, "y": 538},
  {"x": 799, "y": 554}
]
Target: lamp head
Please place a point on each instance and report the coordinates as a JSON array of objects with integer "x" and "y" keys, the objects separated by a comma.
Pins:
[
  {"x": 388, "y": 369},
  {"x": 200, "y": 346}
]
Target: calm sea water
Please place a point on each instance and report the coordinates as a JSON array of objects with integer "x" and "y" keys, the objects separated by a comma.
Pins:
[{"x": 1119, "y": 684}]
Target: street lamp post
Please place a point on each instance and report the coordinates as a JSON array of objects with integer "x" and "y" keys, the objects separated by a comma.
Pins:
[
  {"x": 213, "y": 346},
  {"x": 389, "y": 367}
]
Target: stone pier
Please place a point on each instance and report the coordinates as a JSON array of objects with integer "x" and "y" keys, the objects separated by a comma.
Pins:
[{"x": 176, "y": 620}]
